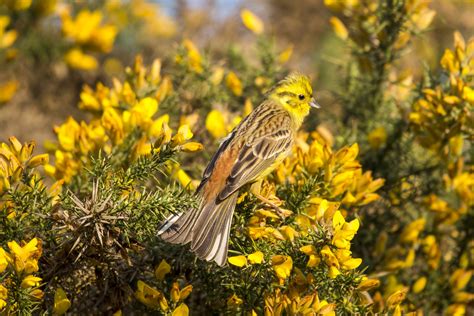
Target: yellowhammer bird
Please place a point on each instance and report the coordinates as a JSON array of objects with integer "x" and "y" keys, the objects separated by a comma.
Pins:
[{"x": 250, "y": 152}]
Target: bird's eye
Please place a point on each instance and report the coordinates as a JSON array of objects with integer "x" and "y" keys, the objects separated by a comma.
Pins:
[{"x": 301, "y": 96}]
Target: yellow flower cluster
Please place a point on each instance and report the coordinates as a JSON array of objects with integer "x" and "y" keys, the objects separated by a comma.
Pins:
[
  {"x": 15, "y": 159},
  {"x": 118, "y": 112},
  {"x": 17, "y": 268},
  {"x": 234, "y": 84},
  {"x": 342, "y": 172},
  {"x": 434, "y": 250},
  {"x": 377, "y": 137},
  {"x": 444, "y": 113},
  {"x": 190, "y": 57},
  {"x": 367, "y": 29},
  {"x": 462, "y": 297},
  {"x": 399, "y": 257},
  {"x": 446, "y": 212},
  {"x": 279, "y": 303},
  {"x": 155, "y": 299},
  {"x": 18, "y": 5},
  {"x": 251, "y": 21},
  {"x": 441, "y": 121},
  {"x": 36, "y": 7},
  {"x": 339, "y": 256},
  {"x": 265, "y": 223},
  {"x": 336, "y": 255},
  {"x": 87, "y": 32},
  {"x": 220, "y": 123},
  {"x": 363, "y": 13},
  {"x": 7, "y": 38}
]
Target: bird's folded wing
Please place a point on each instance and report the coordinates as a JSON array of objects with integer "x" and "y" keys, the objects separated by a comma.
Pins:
[
  {"x": 210, "y": 167},
  {"x": 254, "y": 158}
]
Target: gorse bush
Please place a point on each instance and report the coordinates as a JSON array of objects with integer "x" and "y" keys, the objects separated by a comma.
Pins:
[{"x": 377, "y": 220}]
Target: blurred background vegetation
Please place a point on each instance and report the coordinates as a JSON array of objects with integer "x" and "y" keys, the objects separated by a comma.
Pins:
[
  {"x": 123, "y": 96},
  {"x": 42, "y": 87}
]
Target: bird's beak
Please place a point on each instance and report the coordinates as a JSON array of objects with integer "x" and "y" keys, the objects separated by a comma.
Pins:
[{"x": 314, "y": 104}]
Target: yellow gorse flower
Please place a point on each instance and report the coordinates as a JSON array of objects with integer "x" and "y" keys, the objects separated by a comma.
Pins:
[
  {"x": 61, "y": 302},
  {"x": 238, "y": 261},
  {"x": 377, "y": 137},
  {"x": 339, "y": 28},
  {"x": 419, "y": 285},
  {"x": 16, "y": 158},
  {"x": 191, "y": 147},
  {"x": 191, "y": 57},
  {"x": 30, "y": 281},
  {"x": 87, "y": 29},
  {"x": 234, "y": 301},
  {"x": 185, "y": 292},
  {"x": 285, "y": 55},
  {"x": 460, "y": 278},
  {"x": 25, "y": 258},
  {"x": 162, "y": 270},
  {"x": 251, "y": 21},
  {"x": 463, "y": 185},
  {"x": 181, "y": 310},
  {"x": 368, "y": 284},
  {"x": 343, "y": 231},
  {"x": 3, "y": 296},
  {"x": 216, "y": 125},
  {"x": 76, "y": 58},
  {"x": 183, "y": 178},
  {"x": 184, "y": 134},
  {"x": 411, "y": 231},
  {"x": 151, "y": 297},
  {"x": 282, "y": 266},
  {"x": 277, "y": 303},
  {"x": 234, "y": 84},
  {"x": 256, "y": 257},
  {"x": 397, "y": 297},
  {"x": 219, "y": 124},
  {"x": 8, "y": 90},
  {"x": 7, "y": 38},
  {"x": 3, "y": 260},
  {"x": 155, "y": 299}
]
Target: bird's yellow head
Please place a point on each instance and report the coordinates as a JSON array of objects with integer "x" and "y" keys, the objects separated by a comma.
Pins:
[{"x": 295, "y": 94}]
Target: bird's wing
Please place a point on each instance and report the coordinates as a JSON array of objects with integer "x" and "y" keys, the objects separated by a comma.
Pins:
[
  {"x": 210, "y": 167},
  {"x": 255, "y": 157}
]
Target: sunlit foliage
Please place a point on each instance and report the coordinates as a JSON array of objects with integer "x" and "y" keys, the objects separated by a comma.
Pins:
[{"x": 376, "y": 219}]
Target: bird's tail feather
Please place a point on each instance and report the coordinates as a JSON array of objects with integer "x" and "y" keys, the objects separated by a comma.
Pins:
[
  {"x": 211, "y": 233},
  {"x": 206, "y": 227},
  {"x": 177, "y": 229}
]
